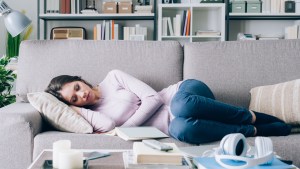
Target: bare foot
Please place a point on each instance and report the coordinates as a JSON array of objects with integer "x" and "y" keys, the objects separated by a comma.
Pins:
[{"x": 253, "y": 117}]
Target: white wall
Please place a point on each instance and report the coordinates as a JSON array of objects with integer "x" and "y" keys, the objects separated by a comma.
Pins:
[{"x": 30, "y": 6}]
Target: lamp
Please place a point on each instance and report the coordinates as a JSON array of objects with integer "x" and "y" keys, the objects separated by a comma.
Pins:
[{"x": 15, "y": 22}]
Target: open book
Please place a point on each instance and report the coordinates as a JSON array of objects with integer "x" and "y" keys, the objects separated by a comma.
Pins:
[{"x": 137, "y": 133}]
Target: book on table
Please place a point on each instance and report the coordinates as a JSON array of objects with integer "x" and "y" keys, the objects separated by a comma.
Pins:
[
  {"x": 129, "y": 163},
  {"x": 144, "y": 154},
  {"x": 137, "y": 133},
  {"x": 210, "y": 162}
]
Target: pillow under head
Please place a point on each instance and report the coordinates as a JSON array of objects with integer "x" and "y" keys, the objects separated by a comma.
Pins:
[{"x": 58, "y": 114}]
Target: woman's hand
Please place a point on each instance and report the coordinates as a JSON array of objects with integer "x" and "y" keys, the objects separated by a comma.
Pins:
[{"x": 77, "y": 109}]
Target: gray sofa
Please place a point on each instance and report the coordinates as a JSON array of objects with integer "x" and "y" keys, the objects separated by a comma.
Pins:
[{"x": 231, "y": 69}]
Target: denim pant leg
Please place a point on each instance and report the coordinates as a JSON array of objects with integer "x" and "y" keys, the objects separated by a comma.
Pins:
[
  {"x": 197, "y": 131},
  {"x": 195, "y": 99}
]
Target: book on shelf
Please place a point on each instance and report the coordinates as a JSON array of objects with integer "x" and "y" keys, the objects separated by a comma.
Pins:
[
  {"x": 186, "y": 22},
  {"x": 183, "y": 23},
  {"x": 170, "y": 26},
  {"x": 143, "y": 9},
  {"x": 269, "y": 37},
  {"x": 129, "y": 163},
  {"x": 63, "y": 6},
  {"x": 291, "y": 32},
  {"x": 135, "y": 33},
  {"x": 208, "y": 33},
  {"x": 53, "y": 6},
  {"x": 137, "y": 133},
  {"x": 144, "y": 154},
  {"x": 112, "y": 32},
  {"x": 165, "y": 26},
  {"x": 210, "y": 162},
  {"x": 99, "y": 31},
  {"x": 108, "y": 30},
  {"x": 177, "y": 25}
]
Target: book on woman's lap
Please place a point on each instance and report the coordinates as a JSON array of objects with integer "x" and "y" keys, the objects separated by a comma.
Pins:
[{"x": 137, "y": 133}]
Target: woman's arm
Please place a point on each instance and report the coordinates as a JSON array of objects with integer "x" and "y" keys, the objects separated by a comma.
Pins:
[
  {"x": 99, "y": 121},
  {"x": 150, "y": 100}
]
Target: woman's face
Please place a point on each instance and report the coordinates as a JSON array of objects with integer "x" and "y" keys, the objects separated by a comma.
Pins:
[{"x": 79, "y": 94}]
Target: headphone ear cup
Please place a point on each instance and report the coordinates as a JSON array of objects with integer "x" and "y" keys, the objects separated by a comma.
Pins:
[
  {"x": 263, "y": 146},
  {"x": 234, "y": 144},
  {"x": 223, "y": 149}
]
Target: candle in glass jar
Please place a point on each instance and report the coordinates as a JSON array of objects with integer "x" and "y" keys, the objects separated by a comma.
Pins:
[
  {"x": 59, "y": 146},
  {"x": 70, "y": 159}
]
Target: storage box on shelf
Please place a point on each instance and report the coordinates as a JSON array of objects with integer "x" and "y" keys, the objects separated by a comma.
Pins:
[
  {"x": 90, "y": 18},
  {"x": 191, "y": 22}
]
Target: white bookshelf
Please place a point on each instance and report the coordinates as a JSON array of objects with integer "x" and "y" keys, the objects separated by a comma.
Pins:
[
  {"x": 47, "y": 21},
  {"x": 203, "y": 17}
]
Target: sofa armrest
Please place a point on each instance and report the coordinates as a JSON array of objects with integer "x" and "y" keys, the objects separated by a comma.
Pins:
[{"x": 19, "y": 123}]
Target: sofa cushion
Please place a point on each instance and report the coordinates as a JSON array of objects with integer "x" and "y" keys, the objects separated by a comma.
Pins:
[
  {"x": 280, "y": 100},
  {"x": 158, "y": 64},
  {"x": 232, "y": 68},
  {"x": 58, "y": 114}
]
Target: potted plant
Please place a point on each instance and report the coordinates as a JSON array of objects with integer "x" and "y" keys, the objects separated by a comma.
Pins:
[{"x": 7, "y": 76}]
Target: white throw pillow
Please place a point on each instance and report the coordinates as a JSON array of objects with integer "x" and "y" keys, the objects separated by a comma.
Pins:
[
  {"x": 281, "y": 100},
  {"x": 58, "y": 114}
]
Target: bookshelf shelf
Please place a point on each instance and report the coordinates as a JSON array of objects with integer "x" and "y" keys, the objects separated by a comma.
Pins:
[
  {"x": 175, "y": 37},
  {"x": 97, "y": 16},
  {"x": 203, "y": 17},
  {"x": 46, "y": 21},
  {"x": 264, "y": 16}
]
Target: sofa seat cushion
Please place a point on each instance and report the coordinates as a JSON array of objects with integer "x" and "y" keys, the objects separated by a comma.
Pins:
[{"x": 87, "y": 141}]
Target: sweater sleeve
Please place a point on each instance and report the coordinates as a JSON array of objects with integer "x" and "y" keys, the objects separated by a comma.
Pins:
[
  {"x": 99, "y": 121},
  {"x": 150, "y": 99}
]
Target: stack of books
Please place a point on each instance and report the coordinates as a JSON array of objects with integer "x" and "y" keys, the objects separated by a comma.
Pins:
[{"x": 146, "y": 157}]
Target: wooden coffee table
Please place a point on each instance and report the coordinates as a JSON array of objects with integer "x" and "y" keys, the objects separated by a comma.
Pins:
[{"x": 114, "y": 161}]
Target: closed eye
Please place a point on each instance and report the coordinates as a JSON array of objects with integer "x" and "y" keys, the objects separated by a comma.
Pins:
[
  {"x": 73, "y": 99},
  {"x": 76, "y": 87}
]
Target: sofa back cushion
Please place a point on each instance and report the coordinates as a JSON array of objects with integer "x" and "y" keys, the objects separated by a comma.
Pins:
[
  {"x": 231, "y": 69},
  {"x": 157, "y": 63}
]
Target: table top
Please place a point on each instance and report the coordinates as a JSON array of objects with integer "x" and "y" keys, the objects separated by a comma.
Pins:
[{"x": 114, "y": 161}]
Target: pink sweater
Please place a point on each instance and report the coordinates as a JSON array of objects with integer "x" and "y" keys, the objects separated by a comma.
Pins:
[{"x": 127, "y": 101}]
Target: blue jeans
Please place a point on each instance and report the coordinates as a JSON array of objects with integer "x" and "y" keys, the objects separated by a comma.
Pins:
[{"x": 199, "y": 118}]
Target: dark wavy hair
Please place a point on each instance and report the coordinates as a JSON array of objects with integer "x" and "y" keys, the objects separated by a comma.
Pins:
[{"x": 58, "y": 82}]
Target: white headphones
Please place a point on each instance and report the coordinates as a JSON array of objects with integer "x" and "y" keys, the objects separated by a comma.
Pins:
[{"x": 234, "y": 147}]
